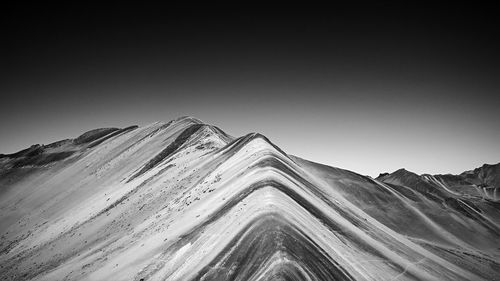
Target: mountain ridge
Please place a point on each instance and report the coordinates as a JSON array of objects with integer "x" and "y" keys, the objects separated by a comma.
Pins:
[
  {"x": 182, "y": 200},
  {"x": 96, "y": 133},
  {"x": 482, "y": 181}
]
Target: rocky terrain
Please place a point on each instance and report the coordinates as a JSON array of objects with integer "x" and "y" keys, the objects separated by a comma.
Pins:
[{"x": 183, "y": 200}]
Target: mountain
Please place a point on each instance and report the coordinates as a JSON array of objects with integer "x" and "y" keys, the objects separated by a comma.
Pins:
[
  {"x": 185, "y": 201},
  {"x": 481, "y": 184}
]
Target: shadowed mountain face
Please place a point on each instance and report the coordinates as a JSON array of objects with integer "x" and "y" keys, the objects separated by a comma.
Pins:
[{"x": 185, "y": 201}]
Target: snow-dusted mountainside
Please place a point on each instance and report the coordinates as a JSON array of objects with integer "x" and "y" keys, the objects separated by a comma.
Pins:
[{"x": 185, "y": 201}]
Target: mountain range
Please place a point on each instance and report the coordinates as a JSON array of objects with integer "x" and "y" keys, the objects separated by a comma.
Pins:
[{"x": 183, "y": 200}]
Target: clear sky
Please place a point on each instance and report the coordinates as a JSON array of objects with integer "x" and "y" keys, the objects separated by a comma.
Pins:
[{"x": 369, "y": 89}]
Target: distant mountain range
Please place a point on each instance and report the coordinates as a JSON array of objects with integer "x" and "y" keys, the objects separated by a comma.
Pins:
[
  {"x": 183, "y": 200},
  {"x": 482, "y": 182}
]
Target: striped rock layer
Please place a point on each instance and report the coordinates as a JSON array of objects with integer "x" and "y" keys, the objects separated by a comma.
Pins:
[{"x": 185, "y": 201}]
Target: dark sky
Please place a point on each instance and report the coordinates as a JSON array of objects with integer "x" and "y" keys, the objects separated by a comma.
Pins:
[{"x": 366, "y": 88}]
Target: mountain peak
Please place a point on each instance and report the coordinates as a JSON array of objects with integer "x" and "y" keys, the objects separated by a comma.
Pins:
[
  {"x": 402, "y": 172},
  {"x": 189, "y": 119},
  {"x": 182, "y": 200}
]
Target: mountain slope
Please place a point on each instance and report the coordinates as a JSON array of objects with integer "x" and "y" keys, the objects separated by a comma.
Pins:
[{"x": 185, "y": 201}]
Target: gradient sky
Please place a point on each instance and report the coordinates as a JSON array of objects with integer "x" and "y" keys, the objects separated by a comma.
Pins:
[{"x": 369, "y": 89}]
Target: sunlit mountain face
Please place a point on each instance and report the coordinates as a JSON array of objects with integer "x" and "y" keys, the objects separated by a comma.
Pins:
[{"x": 183, "y": 200}]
